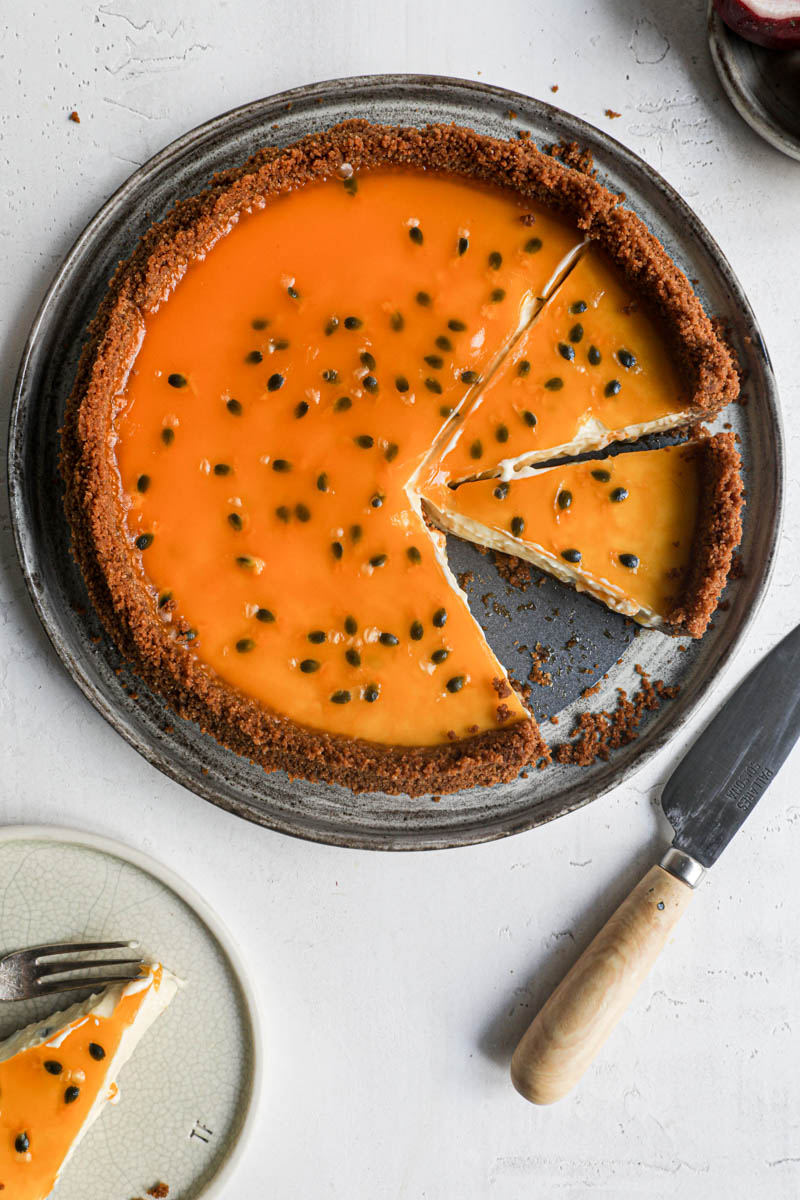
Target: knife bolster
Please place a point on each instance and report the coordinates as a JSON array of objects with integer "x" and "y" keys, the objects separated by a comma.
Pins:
[{"x": 683, "y": 866}]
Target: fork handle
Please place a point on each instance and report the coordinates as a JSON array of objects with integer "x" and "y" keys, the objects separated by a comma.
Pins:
[{"x": 575, "y": 1021}]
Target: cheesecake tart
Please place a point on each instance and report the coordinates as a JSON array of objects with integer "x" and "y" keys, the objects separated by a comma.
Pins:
[
  {"x": 649, "y": 533},
  {"x": 57, "y": 1076},
  {"x": 278, "y": 374}
]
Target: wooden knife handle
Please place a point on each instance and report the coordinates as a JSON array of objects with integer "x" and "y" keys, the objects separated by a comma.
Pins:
[{"x": 570, "y": 1029}]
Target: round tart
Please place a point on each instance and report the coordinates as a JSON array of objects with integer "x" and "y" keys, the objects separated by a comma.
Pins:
[{"x": 282, "y": 369}]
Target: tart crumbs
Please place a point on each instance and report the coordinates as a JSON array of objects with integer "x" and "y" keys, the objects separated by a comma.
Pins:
[
  {"x": 597, "y": 734},
  {"x": 73, "y": 116}
]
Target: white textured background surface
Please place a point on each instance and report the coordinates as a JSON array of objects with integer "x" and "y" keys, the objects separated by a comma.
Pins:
[{"x": 394, "y": 987}]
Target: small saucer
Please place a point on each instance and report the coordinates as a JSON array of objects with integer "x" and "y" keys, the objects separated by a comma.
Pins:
[{"x": 763, "y": 85}]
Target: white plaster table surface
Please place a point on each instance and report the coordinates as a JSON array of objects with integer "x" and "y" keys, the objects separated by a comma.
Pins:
[{"x": 395, "y": 986}]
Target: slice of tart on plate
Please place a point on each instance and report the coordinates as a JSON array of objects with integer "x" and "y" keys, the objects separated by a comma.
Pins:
[
  {"x": 649, "y": 533},
  {"x": 599, "y": 363},
  {"x": 57, "y": 1075}
]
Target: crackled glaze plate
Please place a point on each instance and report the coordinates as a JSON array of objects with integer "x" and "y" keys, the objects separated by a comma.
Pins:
[
  {"x": 588, "y": 646},
  {"x": 187, "y": 1096}
]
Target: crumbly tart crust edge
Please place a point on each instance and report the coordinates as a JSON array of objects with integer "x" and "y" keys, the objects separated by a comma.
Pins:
[
  {"x": 718, "y": 533},
  {"x": 145, "y": 279}
]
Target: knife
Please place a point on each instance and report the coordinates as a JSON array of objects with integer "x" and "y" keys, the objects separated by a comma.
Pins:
[{"x": 708, "y": 797}]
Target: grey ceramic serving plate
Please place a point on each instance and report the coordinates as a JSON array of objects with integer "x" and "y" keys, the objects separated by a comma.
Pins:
[
  {"x": 762, "y": 85},
  {"x": 585, "y": 641}
]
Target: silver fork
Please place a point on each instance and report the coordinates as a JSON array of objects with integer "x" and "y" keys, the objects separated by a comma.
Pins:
[{"x": 25, "y": 974}]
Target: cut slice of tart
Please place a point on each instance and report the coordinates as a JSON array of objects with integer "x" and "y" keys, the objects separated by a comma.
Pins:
[
  {"x": 649, "y": 533},
  {"x": 594, "y": 367},
  {"x": 57, "y": 1075}
]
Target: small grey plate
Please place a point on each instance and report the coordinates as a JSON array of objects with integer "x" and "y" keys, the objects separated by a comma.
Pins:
[
  {"x": 188, "y": 1094},
  {"x": 762, "y": 85},
  {"x": 588, "y": 645}
]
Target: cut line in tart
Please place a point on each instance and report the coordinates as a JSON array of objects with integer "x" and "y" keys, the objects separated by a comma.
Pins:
[
  {"x": 270, "y": 387},
  {"x": 649, "y": 533},
  {"x": 57, "y": 1076}
]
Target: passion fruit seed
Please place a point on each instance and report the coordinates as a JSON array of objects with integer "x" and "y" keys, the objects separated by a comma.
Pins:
[
  {"x": 601, "y": 475},
  {"x": 434, "y": 386},
  {"x": 281, "y": 344},
  {"x": 576, "y": 333},
  {"x": 495, "y": 260},
  {"x": 533, "y": 245},
  {"x": 626, "y": 359},
  {"x": 330, "y": 376},
  {"x": 275, "y": 382},
  {"x": 255, "y": 356},
  {"x": 71, "y": 1094},
  {"x": 445, "y": 410},
  {"x": 415, "y": 233},
  {"x": 413, "y": 554},
  {"x": 594, "y": 356},
  {"x": 337, "y": 549},
  {"x": 619, "y": 494},
  {"x": 368, "y": 360},
  {"x": 292, "y": 293},
  {"x": 265, "y": 615},
  {"x": 302, "y": 512},
  {"x": 439, "y": 618},
  {"x": 371, "y": 693},
  {"x": 144, "y": 541},
  {"x": 501, "y": 491},
  {"x": 554, "y": 384},
  {"x": 476, "y": 449},
  {"x": 177, "y": 381},
  {"x": 168, "y": 436},
  {"x": 397, "y": 321},
  {"x": 439, "y": 656},
  {"x": 517, "y": 525},
  {"x": 222, "y": 469},
  {"x": 401, "y": 383},
  {"x": 571, "y": 556},
  {"x": 523, "y": 368},
  {"x": 281, "y": 465},
  {"x": 353, "y": 322},
  {"x": 342, "y": 697},
  {"x": 391, "y": 451},
  {"x": 470, "y": 377},
  {"x": 456, "y": 683},
  {"x": 350, "y": 185},
  {"x": 283, "y": 513},
  {"x": 424, "y": 299},
  {"x": 332, "y": 326},
  {"x": 245, "y": 645},
  {"x": 309, "y": 665},
  {"x": 353, "y": 657},
  {"x": 365, "y": 441},
  {"x": 342, "y": 404},
  {"x": 629, "y": 560},
  {"x": 612, "y": 388},
  {"x": 388, "y": 639},
  {"x": 529, "y": 418},
  {"x": 370, "y": 383},
  {"x": 301, "y": 409},
  {"x": 356, "y": 533},
  {"x": 417, "y": 631},
  {"x": 566, "y": 351},
  {"x": 456, "y": 325},
  {"x": 434, "y": 360},
  {"x": 378, "y": 560},
  {"x": 259, "y": 323},
  {"x": 235, "y": 521},
  {"x": 350, "y": 625},
  {"x": 463, "y": 246},
  {"x": 322, "y": 482},
  {"x": 377, "y": 500},
  {"x": 143, "y": 483},
  {"x": 164, "y": 599},
  {"x": 21, "y": 1143},
  {"x": 564, "y": 498},
  {"x": 317, "y": 636},
  {"x": 245, "y": 562},
  {"x": 53, "y": 1067},
  {"x": 234, "y": 407},
  {"x": 501, "y": 433},
  {"x": 444, "y": 343},
  {"x": 579, "y": 306},
  {"x": 496, "y": 295}
]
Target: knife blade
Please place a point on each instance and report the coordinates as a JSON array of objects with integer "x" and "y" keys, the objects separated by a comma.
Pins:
[
  {"x": 718, "y": 783},
  {"x": 708, "y": 797}
]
